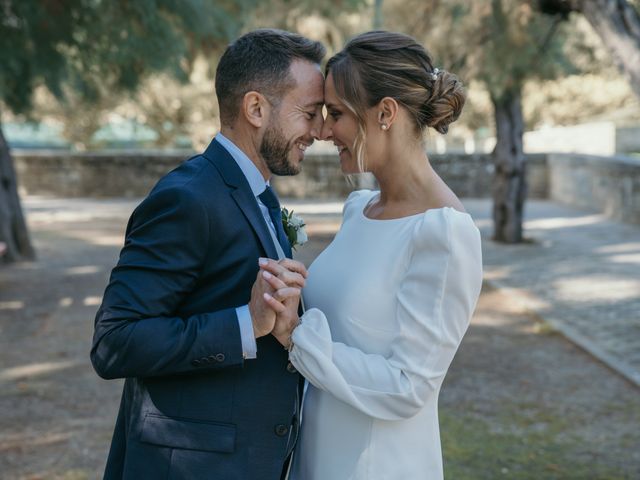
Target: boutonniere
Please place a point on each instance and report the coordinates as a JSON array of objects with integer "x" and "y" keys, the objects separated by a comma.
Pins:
[{"x": 294, "y": 228}]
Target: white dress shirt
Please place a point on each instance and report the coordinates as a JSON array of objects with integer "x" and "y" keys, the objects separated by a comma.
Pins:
[{"x": 257, "y": 184}]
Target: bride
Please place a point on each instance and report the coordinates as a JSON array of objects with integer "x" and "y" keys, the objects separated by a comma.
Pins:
[{"x": 391, "y": 297}]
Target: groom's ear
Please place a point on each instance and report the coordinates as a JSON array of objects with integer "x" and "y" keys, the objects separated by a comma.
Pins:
[{"x": 254, "y": 108}]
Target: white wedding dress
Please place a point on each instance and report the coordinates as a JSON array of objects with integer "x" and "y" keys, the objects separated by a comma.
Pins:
[{"x": 388, "y": 303}]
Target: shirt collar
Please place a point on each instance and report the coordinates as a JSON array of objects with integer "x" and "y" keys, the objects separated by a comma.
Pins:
[{"x": 250, "y": 171}]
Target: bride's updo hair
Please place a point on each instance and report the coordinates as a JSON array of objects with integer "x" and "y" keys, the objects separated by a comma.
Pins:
[{"x": 380, "y": 64}]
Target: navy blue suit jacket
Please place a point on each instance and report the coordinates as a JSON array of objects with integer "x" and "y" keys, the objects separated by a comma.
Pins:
[{"x": 192, "y": 407}]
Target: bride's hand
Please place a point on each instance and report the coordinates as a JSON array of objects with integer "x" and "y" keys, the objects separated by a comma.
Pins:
[
  {"x": 286, "y": 316},
  {"x": 291, "y": 272}
]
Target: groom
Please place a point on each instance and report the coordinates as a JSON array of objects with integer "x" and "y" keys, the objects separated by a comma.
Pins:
[{"x": 208, "y": 391}]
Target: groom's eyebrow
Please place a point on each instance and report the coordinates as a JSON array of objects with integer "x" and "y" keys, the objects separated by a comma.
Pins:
[{"x": 313, "y": 104}]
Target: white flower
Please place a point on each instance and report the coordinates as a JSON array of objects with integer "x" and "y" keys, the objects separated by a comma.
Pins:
[
  {"x": 294, "y": 228},
  {"x": 301, "y": 238},
  {"x": 296, "y": 221}
]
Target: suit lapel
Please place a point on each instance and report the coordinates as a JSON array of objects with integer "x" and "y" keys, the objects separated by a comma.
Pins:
[
  {"x": 247, "y": 203},
  {"x": 241, "y": 193}
]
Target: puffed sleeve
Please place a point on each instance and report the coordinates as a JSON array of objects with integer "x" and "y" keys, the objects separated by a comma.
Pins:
[
  {"x": 434, "y": 304},
  {"x": 354, "y": 201}
]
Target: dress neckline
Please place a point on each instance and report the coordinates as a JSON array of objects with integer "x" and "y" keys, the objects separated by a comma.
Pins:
[{"x": 406, "y": 217}]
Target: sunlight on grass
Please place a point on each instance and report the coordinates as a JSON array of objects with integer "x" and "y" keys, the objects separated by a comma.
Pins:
[
  {"x": 620, "y": 248},
  {"x": 589, "y": 288},
  {"x": 83, "y": 270},
  {"x": 92, "y": 301},
  {"x": 34, "y": 369},
  {"x": 65, "y": 302},
  {"x": 12, "y": 305},
  {"x": 564, "y": 222},
  {"x": 626, "y": 258}
]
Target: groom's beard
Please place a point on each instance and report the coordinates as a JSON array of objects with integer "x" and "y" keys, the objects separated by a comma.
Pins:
[{"x": 275, "y": 150}]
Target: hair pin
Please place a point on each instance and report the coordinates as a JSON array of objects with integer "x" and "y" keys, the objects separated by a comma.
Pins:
[{"x": 434, "y": 73}]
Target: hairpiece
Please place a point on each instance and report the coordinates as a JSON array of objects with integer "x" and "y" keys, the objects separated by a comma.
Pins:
[{"x": 434, "y": 73}]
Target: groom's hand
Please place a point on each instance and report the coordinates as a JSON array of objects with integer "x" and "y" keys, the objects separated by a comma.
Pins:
[{"x": 262, "y": 316}]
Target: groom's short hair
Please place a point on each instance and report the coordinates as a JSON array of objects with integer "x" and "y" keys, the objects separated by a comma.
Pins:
[{"x": 259, "y": 61}]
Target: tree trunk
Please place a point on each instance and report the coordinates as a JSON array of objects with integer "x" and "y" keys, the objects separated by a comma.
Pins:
[
  {"x": 13, "y": 229},
  {"x": 618, "y": 24},
  {"x": 510, "y": 183},
  {"x": 377, "y": 15}
]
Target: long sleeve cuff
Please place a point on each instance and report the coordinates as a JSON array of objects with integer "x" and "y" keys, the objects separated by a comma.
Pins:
[{"x": 249, "y": 347}]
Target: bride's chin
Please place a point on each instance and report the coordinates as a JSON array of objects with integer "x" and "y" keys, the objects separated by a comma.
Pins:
[{"x": 345, "y": 164}]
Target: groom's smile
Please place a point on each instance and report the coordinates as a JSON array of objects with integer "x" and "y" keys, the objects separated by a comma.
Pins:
[{"x": 297, "y": 120}]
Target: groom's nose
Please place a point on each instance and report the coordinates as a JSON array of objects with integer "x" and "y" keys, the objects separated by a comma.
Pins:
[{"x": 316, "y": 129}]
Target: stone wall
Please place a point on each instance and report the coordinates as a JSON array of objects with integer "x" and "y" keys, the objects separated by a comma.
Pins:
[
  {"x": 104, "y": 174},
  {"x": 597, "y": 138},
  {"x": 320, "y": 178},
  {"x": 628, "y": 139},
  {"x": 606, "y": 184},
  {"x": 133, "y": 174},
  {"x": 471, "y": 175}
]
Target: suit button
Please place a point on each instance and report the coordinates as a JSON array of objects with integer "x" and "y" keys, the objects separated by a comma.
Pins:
[
  {"x": 281, "y": 430},
  {"x": 220, "y": 357},
  {"x": 195, "y": 363},
  {"x": 291, "y": 368},
  {"x": 212, "y": 359},
  {"x": 205, "y": 360}
]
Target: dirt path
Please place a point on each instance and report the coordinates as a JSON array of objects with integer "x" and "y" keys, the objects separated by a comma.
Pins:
[{"x": 520, "y": 402}]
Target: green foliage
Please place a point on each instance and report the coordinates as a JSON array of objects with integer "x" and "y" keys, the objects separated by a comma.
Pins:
[
  {"x": 98, "y": 46},
  {"x": 91, "y": 54},
  {"x": 503, "y": 43},
  {"x": 578, "y": 99},
  {"x": 328, "y": 21},
  {"x": 523, "y": 45}
]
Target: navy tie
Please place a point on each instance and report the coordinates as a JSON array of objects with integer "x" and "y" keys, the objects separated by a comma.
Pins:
[{"x": 269, "y": 199}]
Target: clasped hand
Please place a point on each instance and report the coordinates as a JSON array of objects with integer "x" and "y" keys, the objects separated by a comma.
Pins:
[{"x": 275, "y": 297}]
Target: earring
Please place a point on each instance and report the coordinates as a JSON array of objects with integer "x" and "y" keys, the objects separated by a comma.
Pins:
[{"x": 384, "y": 126}]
